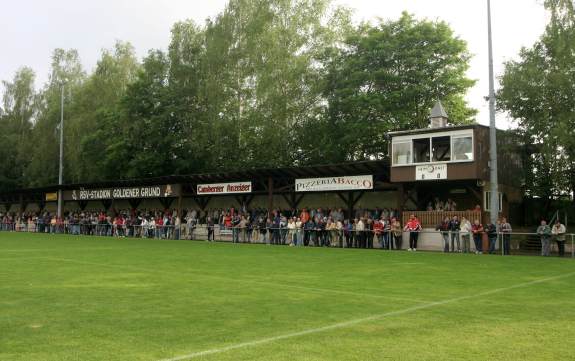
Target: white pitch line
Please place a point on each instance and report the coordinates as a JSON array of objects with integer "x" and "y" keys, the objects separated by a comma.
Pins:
[
  {"x": 252, "y": 281},
  {"x": 24, "y": 250},
  {"x": 358, "y": 320}
]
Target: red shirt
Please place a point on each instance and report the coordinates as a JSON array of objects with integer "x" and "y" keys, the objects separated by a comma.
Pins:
[
  {"x": 304, "y": 217},
  {"x": 413, "y": 225},
  {"x": 378, "y": 227},
  {"x": 476, "y": 228}
]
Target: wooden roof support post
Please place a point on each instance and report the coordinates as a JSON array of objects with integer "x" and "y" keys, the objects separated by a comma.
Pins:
[
  {"x": 107, "y": 203},
  {"x": 270, "y": 195},
  {"x": 22, "y": 205},
  {"x": 180, "y": 206},
  {"x": 82, "y": 204},
  {"x": 400, "y": 204}
]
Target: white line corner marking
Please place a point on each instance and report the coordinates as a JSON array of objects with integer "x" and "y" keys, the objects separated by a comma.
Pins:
[{"x": 358, "y": 320}]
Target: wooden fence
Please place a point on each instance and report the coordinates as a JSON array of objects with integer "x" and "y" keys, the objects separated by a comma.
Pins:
[{"x": 433, "y": 218}]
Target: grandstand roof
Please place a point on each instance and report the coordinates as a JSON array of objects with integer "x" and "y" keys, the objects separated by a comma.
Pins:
[{"x": 379, "y": 168}]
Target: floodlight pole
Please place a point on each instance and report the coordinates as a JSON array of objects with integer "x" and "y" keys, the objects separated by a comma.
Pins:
[
  {"x": 61, "y": 167},
  {"x": 494, "y": 199}
]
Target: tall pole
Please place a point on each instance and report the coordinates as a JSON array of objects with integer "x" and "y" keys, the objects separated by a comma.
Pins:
[
  {"x": 494, "y": 200},
  {"x": 61, "y": 168}
]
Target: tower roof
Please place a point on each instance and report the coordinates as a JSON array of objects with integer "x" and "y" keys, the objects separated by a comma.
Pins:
[{"x": 438, "y": 111}]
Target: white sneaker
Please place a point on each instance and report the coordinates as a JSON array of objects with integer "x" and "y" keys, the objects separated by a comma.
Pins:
[
  {"x": 409, "y": 249},
  {"x": 415, "y": 249}
]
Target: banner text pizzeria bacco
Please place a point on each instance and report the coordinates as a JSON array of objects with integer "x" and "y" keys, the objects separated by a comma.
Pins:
[{"x": 358, "y": 182}]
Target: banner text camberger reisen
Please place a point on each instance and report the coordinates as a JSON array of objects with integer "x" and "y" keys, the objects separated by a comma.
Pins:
[{"x": 223, "y": 188}]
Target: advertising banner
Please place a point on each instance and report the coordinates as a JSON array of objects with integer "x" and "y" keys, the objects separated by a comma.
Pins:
[
  {"x": 161, "y": 191},
  {"x": 342, "y": 183},
  {"x": 224, "y": 188}
]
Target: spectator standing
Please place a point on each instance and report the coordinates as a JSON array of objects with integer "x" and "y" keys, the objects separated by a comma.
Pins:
[
  {"x": 492, "y": 237},
  {"x": 477, "y": 231},
  {"x": 544, "y": 232},
  {"x": 210, "y": 226},
  {"x": 465, "y": 232},
  {"x": 397, "y": 233},
  {"x": 304, "y": 216},
  {"x": 455, "y": 228},
  {"x": 558, "y": 232},
  {"x": 243, "y": 229},
  {"x": 360, "y": 232},
  {"x": 378, "y": 232},
  {"x": 236, "y": 228},
  {"x": 506, "y": 230},
  {"x": 262, "y": 226},
  {"x": 414, "y": 228},
  {"x": 299, "y": 232},
  {"x": 269, "y": 230},
  {"x": 348, "y": 233},
  {"x": 177, "y": 227},
  {"x": 292, "y": 236},
  {"x": 443, "y": 227},
  {"x": 308, "y": 230},
  {"x": 369, "y": 233}
]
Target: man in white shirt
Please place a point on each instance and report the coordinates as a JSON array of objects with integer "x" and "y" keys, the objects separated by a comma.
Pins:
[{"x": 558, "y": 231}]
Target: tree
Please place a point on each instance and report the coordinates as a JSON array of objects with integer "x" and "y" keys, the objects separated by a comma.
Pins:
[
  {"x": 42, "y": 168},
  {"x": 538, "y": 90},
  {"x": 17, "y": 117},
  {"x": 385, "y": 78},
  {"x": 96, "y": 100}
]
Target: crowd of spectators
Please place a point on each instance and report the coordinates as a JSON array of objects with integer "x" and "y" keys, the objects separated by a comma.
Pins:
[
  {"x": 441, "y": 206},
  {"x": 120, "y": 223},
  {"x": 306, "y": 227}
]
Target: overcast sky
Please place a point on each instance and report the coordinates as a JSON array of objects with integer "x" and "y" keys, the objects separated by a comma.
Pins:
[{"x": 31, "y": 29}]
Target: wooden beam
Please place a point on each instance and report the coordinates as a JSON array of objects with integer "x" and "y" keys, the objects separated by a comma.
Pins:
[
  {"x": 82, "y": 204},
  {"x": 270, "y": 194},
  {"x": 134, "y": 203},
  {"x": 166, "y": 202},
  {"x": 477, "y": 195},
  {"x": 202, "y": 201},
  {"x": 107, "y": 203},
  {"x": 342, "y": 197}
]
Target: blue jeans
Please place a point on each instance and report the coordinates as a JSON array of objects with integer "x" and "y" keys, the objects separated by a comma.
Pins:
[
  {"x": 478, "y": 242},
  {"x": 445, "y": 236},
  {"x": 492, "y": 241}
]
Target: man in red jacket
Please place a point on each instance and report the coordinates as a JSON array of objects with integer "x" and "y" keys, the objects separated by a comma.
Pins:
[{"x": 413, "y": 226}]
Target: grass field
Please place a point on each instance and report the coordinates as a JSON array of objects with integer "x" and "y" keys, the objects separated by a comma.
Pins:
[{"x": 92, "y": 298}]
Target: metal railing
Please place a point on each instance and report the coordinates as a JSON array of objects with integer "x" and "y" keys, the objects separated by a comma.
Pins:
[{"x": 513, "y": 243}]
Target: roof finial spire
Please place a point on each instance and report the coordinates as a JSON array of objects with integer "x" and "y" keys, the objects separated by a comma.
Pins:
[{"x": 438, "y": 116}]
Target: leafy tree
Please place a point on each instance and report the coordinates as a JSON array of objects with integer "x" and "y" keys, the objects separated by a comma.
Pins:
[
  {"x": 17, "y": 116},
  {"x": 538, "y": 90},
  {"x": 95, "y": 101},
  {"x": 387, "y": 78},
  {"x": 42, "y": 168}
]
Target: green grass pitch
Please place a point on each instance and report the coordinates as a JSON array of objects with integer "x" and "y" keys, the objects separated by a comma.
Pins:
[{"x": 93, "y": 298}]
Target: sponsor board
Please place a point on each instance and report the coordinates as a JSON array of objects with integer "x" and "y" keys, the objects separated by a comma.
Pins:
[
  {"x": 161, "y": 191},
  {"x": 51, "y": 197},
  {"x": 358, "y": 182},
  {"x": 224, "y": 188}
]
